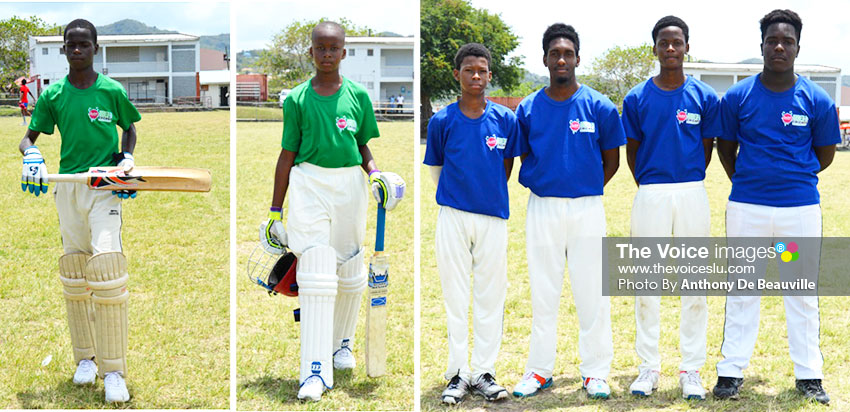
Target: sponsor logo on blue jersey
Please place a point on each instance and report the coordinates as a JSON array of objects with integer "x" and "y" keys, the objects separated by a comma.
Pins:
[
  {"x": 794, "y": 119},
  {"x": 690, "y": 118},
  {"x": 495, "y": 142}
]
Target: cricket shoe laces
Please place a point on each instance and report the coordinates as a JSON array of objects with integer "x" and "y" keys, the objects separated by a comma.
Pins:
[
  {"x": 596, "y": 388},
  {"x": 646, "y": 382},
  {"x": 530, "y": 384},
  {"x": 691, "y": 384},
  {"x": 455, "y": 390},
  {"x": 344, "y": 359},
  {"x": 486, "y": 386},
  {"x": 115, "y": 388},
  {"x": 86, "y": 372}
]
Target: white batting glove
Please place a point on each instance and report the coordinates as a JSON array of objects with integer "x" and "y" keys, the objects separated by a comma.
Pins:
[
  {"x": 34, "y": 172},
  {"x": 272, "y": 233},
  {"x": 387, "y": 188},
  {"x": 127, "y": 162}
]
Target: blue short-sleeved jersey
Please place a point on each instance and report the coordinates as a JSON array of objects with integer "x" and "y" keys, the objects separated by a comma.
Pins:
[
  {"x": 777, "y": 134},
  {"x": 670, "y": 126},
  {"x": 472, "y": 153},
  {"x": 564, "y": 142}
]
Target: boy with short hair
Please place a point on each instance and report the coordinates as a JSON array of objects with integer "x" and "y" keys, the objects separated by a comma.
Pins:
[
  {"x": 786, "y": 126},
  {"x": 328, "y": 121},
  {"x": 471, "y": 146},
  {"x": 670, "y": 122},
  {"x": 86, "y": 107},
  {"x": 570, "y": 136}
]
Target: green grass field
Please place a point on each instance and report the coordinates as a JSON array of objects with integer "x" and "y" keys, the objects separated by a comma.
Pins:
[
  {"x": 175, "y": 244},
  {"x": 269, "y": 111},
  {"x": 769, "y": 382},
  {"x": 268, "y": 340}
]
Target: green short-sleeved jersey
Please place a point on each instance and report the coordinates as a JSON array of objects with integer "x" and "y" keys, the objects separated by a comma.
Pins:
[
  {"x": 86, "y": 118},
  {"x": 327, "y": 130}
]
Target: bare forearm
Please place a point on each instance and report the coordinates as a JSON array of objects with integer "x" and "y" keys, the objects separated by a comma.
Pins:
[
  {"x": 825, "y": 156},
  {"x": 368, "y": 164},
  {"x": 631, "y": 156},
  {"x": 610, "y": 163},
  {"x": 281, "y": 176},
  {"x": 727, "y": 151},
  {"x": 128, "y": 139},
  {"x": 509, "y": 165},
  {"x": 29, "y": 139},
  {"x": 707, "y": 145}
]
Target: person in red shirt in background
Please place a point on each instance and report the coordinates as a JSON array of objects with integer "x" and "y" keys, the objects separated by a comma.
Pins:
[{"x": 24, "y": 100}]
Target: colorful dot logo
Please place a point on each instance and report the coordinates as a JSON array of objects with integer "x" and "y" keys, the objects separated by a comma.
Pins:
[{"x": 788, "y": 253}]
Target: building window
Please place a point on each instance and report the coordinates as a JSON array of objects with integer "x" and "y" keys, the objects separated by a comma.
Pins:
[
  {"x": 46, "y": 82},
  {"x": 61, "y": 50},
  {"x": 370, "y": 85},
  {"x": 370, "y": 52},
  {"x": 351, "y": 52},
  {"x": 44, "y": 51}
]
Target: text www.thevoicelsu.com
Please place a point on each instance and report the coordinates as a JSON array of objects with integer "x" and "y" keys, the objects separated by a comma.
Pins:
[{"x": 662, "y": 269}]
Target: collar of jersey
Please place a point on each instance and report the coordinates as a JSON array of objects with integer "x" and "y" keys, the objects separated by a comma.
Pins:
[
  {"x": 572, "y": 98},
  {"x": 73, "y": 89},
  {"x": 327, "y": 98},
  {"x": 769, "y": 92},
  {"x": 480, "y": 119},
  {"x": 654, "y": 87}
]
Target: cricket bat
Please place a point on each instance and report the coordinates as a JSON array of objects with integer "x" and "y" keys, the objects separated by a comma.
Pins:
[
  {"x": 376, "y": 313},
  {"x": 177, "y": 179}
]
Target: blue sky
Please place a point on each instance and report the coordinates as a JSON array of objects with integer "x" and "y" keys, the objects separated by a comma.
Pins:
[{"x": 197, "y": 18}]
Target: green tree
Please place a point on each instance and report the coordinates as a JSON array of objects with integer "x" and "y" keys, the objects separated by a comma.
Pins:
[
  {"x": 287, "y": 60},
  {"x": 445, "y": 26},
  {"x": 619, "y": 69},
  {"x": 14, "y": 46}
]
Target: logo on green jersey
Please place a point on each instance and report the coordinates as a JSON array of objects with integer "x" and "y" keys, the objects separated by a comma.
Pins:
[
  {"x": 344, "y": 123},
  {"x": 99, "y": 115}
]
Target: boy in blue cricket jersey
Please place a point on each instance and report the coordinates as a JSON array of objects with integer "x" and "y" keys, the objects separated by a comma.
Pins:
[
  {"x": 786, "y": 128},
  {"x": 670, "y": 121},
  {"x": 570, "y": 136},
  {"x": 471, "y": 146}
]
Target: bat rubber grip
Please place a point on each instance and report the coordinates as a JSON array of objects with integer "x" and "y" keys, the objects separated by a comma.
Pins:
[{"x": 379, "y": 229}]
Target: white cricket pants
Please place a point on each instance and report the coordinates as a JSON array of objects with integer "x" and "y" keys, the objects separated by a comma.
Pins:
[
  {"x": 472, "y": 243},
  {"x": 801, "y": 312},
  {"x": 662, "y": 210},
  {"x": 559, "y": 231},
  {"x": 327, "y": 207},
  {"x": 89, "y": 220}
]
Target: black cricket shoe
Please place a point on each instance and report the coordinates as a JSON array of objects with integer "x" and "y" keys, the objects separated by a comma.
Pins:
[
  {"x": 455, "y": 391},
  {"x": 812, "y": 390},
  {"x": 486, "y": 386},
  {"x": 727, "y": 388}
]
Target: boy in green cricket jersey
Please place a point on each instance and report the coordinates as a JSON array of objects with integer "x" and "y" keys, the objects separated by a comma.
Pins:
[
  {"x": 328, "y": 121},
  {"x": 86, "y": 107}
]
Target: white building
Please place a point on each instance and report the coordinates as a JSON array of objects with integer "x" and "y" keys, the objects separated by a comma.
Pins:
[
  {"x": 384, "y": 65},
  {"x": 215, "y": 88},
  {"x": 153, "y": 68},
  {"x": 721, "y": 76}
]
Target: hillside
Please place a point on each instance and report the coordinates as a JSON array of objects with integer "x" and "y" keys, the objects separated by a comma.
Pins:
[{"x": 220, "y": 42}]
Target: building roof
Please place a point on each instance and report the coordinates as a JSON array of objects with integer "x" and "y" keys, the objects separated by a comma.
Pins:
[
  {"x": 214, "y": 76},
  {"x": 126, "y": 38},
  {"x": 400, "y": 41},
  {"x": 757, "y": 67}
]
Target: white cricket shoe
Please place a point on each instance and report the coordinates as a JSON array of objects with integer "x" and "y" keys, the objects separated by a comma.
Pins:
[
  {"x": 344, "y": 359},
  {"x": 486, "y": 386},
  {"x": 86, "y": 372},
  {"x": 691, "y": 385},
  {"x": 311, "y": 389},
  {"x": 530, "y": 384},
  {"x": 455, "y": 391},
  {"x": 596, "y": 388},
  {"x": 645, "y": 383},
  {"x": 115, "y": 388}
]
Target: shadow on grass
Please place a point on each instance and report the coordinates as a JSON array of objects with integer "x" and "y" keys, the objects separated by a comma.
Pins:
[
  {"x": 286, "y": 390},
  {"x": 567, "y": 393},
  {"x": 67, "y": 395}
]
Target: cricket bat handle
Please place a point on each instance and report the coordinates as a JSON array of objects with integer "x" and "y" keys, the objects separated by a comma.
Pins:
[{"x": 81, "y": 178}]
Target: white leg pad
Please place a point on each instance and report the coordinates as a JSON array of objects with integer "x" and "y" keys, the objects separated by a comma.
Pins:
[
  {"x": 107, "y": 277},
  {"x": 317, "y": 288},
  {"x": 352, "y": 282},
  {"x": 72, "y": 273}
]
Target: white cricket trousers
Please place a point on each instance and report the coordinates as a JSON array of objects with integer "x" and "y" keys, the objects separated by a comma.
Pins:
[
  {"x": 327, "y": 207},
  {"x": 89, "y": 220},
  {"x": 680, "y": 210},
  {"x": 801, "y": 312},
  {"x": 472, "y": 243},
  {"x": 558, "y": 231}
]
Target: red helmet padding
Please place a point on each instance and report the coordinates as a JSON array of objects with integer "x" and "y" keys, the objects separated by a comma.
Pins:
[{"x": 282, "y": 277}]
